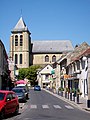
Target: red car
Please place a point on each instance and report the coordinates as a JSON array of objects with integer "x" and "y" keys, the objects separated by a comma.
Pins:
[{"x": 8, "y": 103}]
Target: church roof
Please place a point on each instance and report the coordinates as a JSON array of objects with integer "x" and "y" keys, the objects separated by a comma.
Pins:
[
  {"x": 20, "y": 26},
  {"x": 54, "y": 46}
]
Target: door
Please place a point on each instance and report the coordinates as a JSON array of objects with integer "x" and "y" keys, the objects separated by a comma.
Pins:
[{"x": 10, "y": 104}]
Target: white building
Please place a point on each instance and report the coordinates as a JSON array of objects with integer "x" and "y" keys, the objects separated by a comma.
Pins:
[{"x": 44, "y": 76}]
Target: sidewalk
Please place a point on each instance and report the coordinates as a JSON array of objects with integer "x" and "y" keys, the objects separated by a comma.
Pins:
[{"x": 82, "y": 101}]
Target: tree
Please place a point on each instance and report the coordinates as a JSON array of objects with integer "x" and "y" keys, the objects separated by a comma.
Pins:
[
  {"x": 32, "y": 74},
  {"x": 23, "y": 72},
  {"x": 29, "y": 73}
]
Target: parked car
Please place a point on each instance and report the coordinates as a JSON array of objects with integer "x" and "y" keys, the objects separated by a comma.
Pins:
[
  {"x": 20, "y": 92},
  {"x": 25, "y": 87},
  {"x": 8, "y": 103},
  {"x": 37, "y": 88}
]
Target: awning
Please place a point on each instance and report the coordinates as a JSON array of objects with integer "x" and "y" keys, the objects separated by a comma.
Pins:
[{"x": 21, "y": 82}]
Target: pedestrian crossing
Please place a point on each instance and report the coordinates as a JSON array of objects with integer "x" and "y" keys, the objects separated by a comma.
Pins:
[{"x": 32, "y": 106}]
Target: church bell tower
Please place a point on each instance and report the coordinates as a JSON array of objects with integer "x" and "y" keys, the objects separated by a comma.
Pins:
[{"x": 20, "y": 42}]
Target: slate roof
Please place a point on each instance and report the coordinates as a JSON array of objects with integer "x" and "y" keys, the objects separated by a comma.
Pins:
[
  {"x": 45, "y": 46},
  {"x": 52, "y": 46},
  {"x": 20, "y": 26}
]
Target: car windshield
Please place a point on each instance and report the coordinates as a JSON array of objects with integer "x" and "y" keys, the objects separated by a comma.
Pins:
[
  {"x": 18, "y": 90},
  {"x": 2, "y": 96}
]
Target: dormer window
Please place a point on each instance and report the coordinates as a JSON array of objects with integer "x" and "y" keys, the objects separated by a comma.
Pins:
[{"x": 16, "y": 40}]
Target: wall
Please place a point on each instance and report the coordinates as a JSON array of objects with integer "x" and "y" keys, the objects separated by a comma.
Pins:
[{"x": 40, "y": 58}]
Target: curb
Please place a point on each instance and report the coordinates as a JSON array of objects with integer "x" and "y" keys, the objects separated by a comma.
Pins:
[{"x": 68, "y": 101}]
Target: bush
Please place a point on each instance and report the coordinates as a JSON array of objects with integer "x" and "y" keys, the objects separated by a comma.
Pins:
[
  {"x": 61, "y": 89},
  {"x": 78, "y": 92},
  {"x": 67, "y": 90}
]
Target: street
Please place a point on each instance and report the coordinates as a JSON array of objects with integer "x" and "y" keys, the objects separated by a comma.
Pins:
[{"x": 44, "y": 106}]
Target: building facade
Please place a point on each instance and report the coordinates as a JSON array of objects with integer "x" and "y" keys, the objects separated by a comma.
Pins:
[
  {"x": 25, "y": 52},
  {"x": 74, "y": 69},
  {"x": 4, "y": 69}
]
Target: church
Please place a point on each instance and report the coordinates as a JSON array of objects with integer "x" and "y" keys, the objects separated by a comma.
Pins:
[{"x": 26, "y": 52}]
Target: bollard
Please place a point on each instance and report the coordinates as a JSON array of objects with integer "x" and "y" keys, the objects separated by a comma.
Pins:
[
  {"x": 71, "y": 96},
  {"x": 77, "y": 98}
]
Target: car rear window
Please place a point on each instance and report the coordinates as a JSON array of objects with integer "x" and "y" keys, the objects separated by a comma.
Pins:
[
  {"x": 37, "y": 86},
  {"x": 2, "y": 96},
  {"x": 17, "y": 90}
]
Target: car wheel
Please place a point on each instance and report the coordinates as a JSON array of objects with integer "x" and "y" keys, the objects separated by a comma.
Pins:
[
  {"x": 16, "y": 111},
  {"x": 24, "y": 100},
  {"x": 2, "y": 115}
]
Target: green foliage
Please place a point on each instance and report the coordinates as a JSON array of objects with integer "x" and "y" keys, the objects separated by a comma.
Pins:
[
  {"x": 22, "y": 73},
  {"x": 67, "y": 90},
  {"x": 73, "y": 90},
  {"x": 78, "y": 92},
  {"x": 29, "y": 73},
  {"x": 60, "y": 89}
]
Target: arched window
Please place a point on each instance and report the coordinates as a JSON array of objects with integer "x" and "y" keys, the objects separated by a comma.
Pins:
[
  {"x": 20, "y": 58},
  {"x": 46, "y": 58},
  {"x": 21, "y": 40},
  {"x": 53, "y": 58},
  {"x": 16, "y": 59},
  {"x": 16, "y": 40}
]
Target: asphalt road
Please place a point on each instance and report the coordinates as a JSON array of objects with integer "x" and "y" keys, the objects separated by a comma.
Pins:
[{"x": 44, "y": 106}]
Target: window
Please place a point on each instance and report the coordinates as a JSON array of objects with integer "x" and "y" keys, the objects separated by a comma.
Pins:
[
  {"x": 83, "y": 64},
  {"x": 53, "y": 58},
  {"x": 46, "y": 76},
  {"x": 16, "y": 59},
  {"x": 46, "y": 58},
  {"x": 78, "y": 65},
  {"x": 2, "y": 96},
  {"x": 13, "y": 96},
  {"x": 74, "y": 67},
  {"x": 9, "y": 97},
  {"x": 21, "y": 40},
  {"x": 20, "y": 58},
  {"x": 16, "y": 40}
]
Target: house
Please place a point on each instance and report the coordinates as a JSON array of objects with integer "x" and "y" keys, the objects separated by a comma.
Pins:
[
  {"x": 73, "y": 69},
  {"x": 5, "y": 80},
  {"x": 44, "y": 76}
]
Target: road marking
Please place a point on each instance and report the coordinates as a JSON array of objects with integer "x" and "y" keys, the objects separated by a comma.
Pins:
[
  {"x": 45, "y": 106},
  {"x": 33, "y": 106},
  {"x": 57, "y": 106},
  {"x": 69, "y": 107}
]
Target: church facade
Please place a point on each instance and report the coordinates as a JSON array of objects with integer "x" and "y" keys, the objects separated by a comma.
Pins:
[{"x": 25, "y": 52}]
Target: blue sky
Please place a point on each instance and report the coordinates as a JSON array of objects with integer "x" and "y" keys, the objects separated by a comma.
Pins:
[{"x": 47, "y": 19}]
